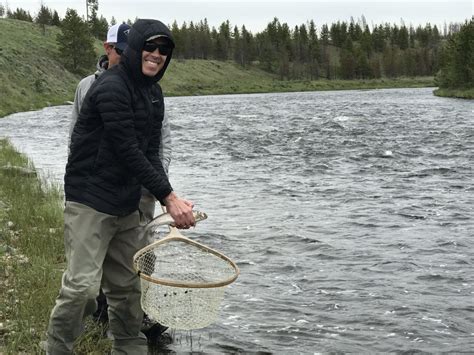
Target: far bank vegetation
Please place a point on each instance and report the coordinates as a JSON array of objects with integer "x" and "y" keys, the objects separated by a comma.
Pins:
[{"x": 310, "y": 51}]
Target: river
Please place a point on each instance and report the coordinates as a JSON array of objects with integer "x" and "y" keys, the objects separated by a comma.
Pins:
[{"x": 349, "y": 213}]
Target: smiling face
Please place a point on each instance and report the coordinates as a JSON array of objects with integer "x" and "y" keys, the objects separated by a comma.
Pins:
[{"x": 153, "y": 62}]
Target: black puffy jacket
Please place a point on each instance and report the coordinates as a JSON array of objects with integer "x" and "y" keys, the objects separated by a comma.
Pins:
[{"x": 115, "y": 142}]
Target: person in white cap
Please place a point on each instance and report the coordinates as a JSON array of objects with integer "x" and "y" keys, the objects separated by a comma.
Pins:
[{"x": 114, "y": 46}]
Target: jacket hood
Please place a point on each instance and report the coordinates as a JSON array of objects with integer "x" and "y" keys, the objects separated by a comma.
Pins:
[{"x": 132, "y": 56}]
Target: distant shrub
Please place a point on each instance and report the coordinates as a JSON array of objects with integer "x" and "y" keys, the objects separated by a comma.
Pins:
[{"x": 39, "y": 85}]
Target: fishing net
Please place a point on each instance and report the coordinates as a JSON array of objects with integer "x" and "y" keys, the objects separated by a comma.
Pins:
[{"x": 183, "y": 281}]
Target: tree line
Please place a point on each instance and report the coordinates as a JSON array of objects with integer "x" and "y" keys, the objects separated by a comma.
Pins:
[
  {"x": 338, "y": 51},
  {"x": 341, "y": 50}
]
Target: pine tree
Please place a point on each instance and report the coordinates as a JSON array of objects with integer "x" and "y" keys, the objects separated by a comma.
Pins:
[
  {"x": 98, "y": 26},
  {"x": 203, "y": 39},
  {"x": 313, "y": 52},
  {"x": 403, "y": 38},
  {"x": 409, "y": 62},
  {"x": 20, "y": 14},
  {"x": 238, "y": 47},
  {"x": 185, "y": 48},
  {"x": 55, "y": 21},
  {"x": 362, "y": 68},
  {"x": 378, "y": 39},
  {"x": 92, "y": 6},
  {"x": 222, "y": 42},
  {"x": 347, "y": 60},
  {"x": 192, "y": 49},
  {"x": 101, "y": 28},
  {"x": 76, "y": 44},
  {"x": 248, "y": 47},
  {"x": 366, "y": 41},
  {"x": 178, "y": 51},
  {"x": 44, "y": 18},
  {"x": 324, "y": 35}
]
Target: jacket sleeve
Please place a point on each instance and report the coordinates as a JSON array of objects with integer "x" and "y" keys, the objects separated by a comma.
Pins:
[
  {"x": 81, "y": 91},
  {"x": 113, "y": 101}
]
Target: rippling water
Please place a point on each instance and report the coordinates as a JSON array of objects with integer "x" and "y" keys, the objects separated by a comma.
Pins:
[{"x": 349, "y": 213}]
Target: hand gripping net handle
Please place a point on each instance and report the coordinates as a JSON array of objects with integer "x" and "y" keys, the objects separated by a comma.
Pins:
[{"x": 166, "y": 218}]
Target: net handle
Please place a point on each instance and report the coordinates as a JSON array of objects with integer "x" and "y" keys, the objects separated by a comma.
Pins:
[
  {"x": 174, "y": 233},
  {"x": 166, "y": 219}
]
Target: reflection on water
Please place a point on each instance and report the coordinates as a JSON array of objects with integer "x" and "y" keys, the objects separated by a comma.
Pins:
[{"x": 349, "y": 214}]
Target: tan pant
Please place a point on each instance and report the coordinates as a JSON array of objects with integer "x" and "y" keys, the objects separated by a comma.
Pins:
[{"x": 99, "y": 246}]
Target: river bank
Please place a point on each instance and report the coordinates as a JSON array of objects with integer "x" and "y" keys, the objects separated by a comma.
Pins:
[
  {"x": 209, "y": 77},
  {"x": 31, "y": 252},
  {"x": 455, "y": 93},
  {"x": 31, "y": 256}
]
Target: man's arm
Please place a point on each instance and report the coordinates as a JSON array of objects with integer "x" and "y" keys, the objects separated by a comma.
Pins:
[{"x": 115, "y": 109}]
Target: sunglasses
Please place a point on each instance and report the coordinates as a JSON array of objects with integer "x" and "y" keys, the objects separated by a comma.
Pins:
[
  {"x": 118, "y": 50},
  {"x": 152, "y": 46}
]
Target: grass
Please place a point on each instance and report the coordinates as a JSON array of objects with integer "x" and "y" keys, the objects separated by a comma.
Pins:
[
  {"x": 31, "y": 75},
  {"x": 31, "y": 257},
  {"x": 458, "y": 93},
  {"x": 31, "y": 252},
  {"x": 207, "y": 77}
]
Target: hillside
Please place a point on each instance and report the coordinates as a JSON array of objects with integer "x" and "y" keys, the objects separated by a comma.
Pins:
[
  {"x": 204, "y": 77},
  {"x": 32, "y": 76}
]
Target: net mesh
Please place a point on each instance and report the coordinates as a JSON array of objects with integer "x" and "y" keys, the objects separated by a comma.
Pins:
[
  {"x": 179, "y": 307},
  {"x": 183, "y": 282}
]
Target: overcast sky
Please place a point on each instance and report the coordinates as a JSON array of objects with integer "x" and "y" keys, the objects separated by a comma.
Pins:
[{"x": 255, "y": 15}]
